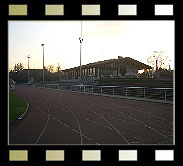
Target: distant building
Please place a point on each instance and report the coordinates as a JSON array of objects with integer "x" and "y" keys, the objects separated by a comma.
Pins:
[
  {"x": 164, "y": 74},
  {"x": 107, "y": 68}
]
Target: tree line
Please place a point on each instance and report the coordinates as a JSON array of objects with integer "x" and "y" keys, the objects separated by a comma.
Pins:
[{"x": 20, "y": 74}]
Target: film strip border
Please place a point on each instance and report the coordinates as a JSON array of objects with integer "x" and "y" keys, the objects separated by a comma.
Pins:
[
  {"x": 92, "y": 10},
  {"x": 74, "y": 10},
  {"x": 90, "y": 155}
]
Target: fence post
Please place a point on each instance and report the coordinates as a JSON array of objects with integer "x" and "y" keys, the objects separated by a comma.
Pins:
[
  {"x": 113, "y": 91},
  {"x": 84, "y": 89},
  {"x": 101, "y": 90},
  {"x": 126, "y": 92},
  {"x": 144, "y": 93},
  {"x": 92, "y": 89},
  {"x": 165, "y": 94}
]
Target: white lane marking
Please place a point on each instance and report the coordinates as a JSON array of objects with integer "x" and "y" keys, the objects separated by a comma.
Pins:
[
  {"x": 82, "y": 135},
  {"x": 75, "y": 131},
  {"x": 49, "y": 115},
  {"x": 106, "y": 121},
  {"x": 81, "y": 138},
  {"x": 137, "y": 124},
  {"x": 87, "y": 137},
  {"x": 111, "y": 126},
  {"x": 149, "y": 113},
  {"x": 145, "y": 125},
  {"x": 59, "y": 121},
  {"x": 76, "y": 121},
  {"x": 139, "y": 139},
  {"x": 136, "y": 121},
  {"x": 167, "y": 132},
  {"x": 87, "y": 119},
  {"x": 108, "y": 127},
  {"x": 140, "y": 122},
  {"x": 45, "y": 125},
  {"x": 112, "y": 117},
  {"x": 164, "y": 142},
  {"x": 65, "y": 125},
  {"x": 42, "y": 131},
  {"x": 135, "y": 142}
]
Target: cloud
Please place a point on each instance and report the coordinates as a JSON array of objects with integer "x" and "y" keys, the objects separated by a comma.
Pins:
[{"x": 102, "y": 28}]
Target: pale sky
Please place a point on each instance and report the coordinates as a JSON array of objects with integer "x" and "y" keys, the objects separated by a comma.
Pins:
[{"x": 102, "y": 40}]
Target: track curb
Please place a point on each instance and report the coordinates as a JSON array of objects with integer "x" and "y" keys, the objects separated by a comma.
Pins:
[{"x": 21, "y": 116}]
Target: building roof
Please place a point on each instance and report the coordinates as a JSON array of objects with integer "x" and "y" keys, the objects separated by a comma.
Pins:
[
  {"x": 125, "y": 60},
  {"x": 138, "y": 64}
]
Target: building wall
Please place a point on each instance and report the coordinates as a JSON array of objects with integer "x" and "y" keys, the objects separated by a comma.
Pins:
[
  {"x": 131, "y": 71},
  {"x": 105, "y": 68}
]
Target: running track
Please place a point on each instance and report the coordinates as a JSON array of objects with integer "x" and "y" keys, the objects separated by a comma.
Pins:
[{"x": 63, "y": 117}]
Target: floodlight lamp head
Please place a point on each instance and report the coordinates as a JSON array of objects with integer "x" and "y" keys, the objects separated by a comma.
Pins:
[
  {"x": 42, "y": 44},
  {"x": 80, "y": 39}
]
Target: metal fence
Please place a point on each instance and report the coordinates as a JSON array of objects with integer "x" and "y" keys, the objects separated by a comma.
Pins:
[
  {"x": 53, "y": 86},
  {"x": 144, "y": 93}
]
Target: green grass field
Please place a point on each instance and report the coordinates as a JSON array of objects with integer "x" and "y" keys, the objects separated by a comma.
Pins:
[{"x": 17, "y": 106}]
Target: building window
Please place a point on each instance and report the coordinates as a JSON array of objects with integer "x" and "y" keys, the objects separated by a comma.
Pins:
[
  {"x": 94, "y": 71},
  {"x": 90, "y": 71}
]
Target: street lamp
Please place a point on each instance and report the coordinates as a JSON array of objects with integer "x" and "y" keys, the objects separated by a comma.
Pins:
[
  {"x": 43, "y": 61},
  {"x": 28, "y": 68},
  {"x": 81, "y": 40}
]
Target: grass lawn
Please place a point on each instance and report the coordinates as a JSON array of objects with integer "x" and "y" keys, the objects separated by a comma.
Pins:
[{"x": 17, "y": 106}]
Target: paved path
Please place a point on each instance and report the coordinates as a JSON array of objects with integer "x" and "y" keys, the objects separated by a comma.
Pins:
[{"x": 61, "y": 117}]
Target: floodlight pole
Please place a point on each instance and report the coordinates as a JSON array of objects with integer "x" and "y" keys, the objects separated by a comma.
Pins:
[
  {"x": 43, "y": 61},
  {"x": 81, "y": 40},
  {"x": 28, "y": 68}
]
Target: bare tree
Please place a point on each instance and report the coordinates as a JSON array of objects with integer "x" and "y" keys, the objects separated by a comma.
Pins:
[
  {"x": 50, "y": 68},
  {"x": 158, "y": 60},
  {"x": 18, "y": 67},
  {"x": 58, "y": 68}
]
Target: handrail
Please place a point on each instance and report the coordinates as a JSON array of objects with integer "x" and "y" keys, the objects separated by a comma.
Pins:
[
  {"x": 145, "y": 93},
  {"x": 128, "y": 91}
]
